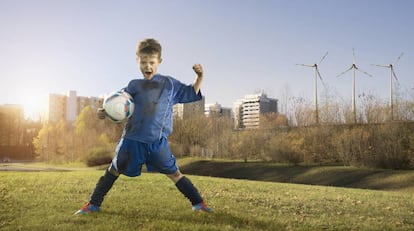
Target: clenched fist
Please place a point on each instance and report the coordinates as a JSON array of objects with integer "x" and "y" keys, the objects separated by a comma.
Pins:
[{"x": 198, "y": 69}]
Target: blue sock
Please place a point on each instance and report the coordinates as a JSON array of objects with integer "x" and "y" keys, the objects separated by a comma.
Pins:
[{"x": 189, "y": 190}]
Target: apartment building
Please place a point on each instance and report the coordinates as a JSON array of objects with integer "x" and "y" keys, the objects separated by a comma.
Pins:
[
  {"x": 247, "y": 111},
  {"x": 215, "y": 109},
  {"x": 67, "y": 106},
  {"x": 187, "y": 110}
]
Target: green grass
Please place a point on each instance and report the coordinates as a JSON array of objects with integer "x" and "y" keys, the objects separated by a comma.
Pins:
[{"x": 47, "y": 201}]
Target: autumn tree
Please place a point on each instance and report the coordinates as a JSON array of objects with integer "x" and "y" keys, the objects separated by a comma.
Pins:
[
  {"x": 189, "y": 136},
  {"x": 91, "y": 133},
  {"x": 302, "y": 111},
  {"x": 272, "y": 120},
  {"x": 219, "y": 130},
  {"x": 53, "y": 142}
]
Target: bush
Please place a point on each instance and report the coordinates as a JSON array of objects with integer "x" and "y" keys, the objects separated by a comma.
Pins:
[
  {"x": 392, "y": 146},
  {"x": 317, "y": 144},
  {"x": 286, "y": 147},
  {"x": 97, "y": 157},
  {"x": 178, "y": 149},
  {"x": 377, "y": 146}
]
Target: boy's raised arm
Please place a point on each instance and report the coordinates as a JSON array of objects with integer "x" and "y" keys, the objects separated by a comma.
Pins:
[{"x": 198, "y": 69}]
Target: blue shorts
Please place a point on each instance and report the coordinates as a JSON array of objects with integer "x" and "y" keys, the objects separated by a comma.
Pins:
[{"x": 130, "y": 155}]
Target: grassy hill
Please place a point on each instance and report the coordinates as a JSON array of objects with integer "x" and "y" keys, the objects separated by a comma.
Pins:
[
  {"x": 47, "y": 200},
  {"x": 340, "y": 176}
]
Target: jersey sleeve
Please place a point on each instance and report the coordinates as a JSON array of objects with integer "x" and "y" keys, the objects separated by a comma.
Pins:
[
  {"x": 131, "y": 88},
  {"x": 184, "y": 93}
]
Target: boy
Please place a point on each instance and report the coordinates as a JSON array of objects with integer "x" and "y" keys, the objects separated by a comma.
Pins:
[{"x": 144, "y": 140}]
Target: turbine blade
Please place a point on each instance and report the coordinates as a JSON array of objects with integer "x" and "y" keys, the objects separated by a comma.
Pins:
[
  {"x": 398, "y": 59},
  {"x": 395, "y": 76},
  {"x": 345, "y": 71},
  {"x": 305, "y": 65},
  {"x": 378, "y": 65},
  {"x": 353, "y": 56},
  {"x": 362, "y": 71},
  {"x": 323, "y": 58},
  {"x": 319, "y": 74},
  {"x": 320, "y": 77}
]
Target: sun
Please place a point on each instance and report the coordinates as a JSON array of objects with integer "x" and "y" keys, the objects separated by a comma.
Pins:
[
  {"x": 33, "y": 107},
  {"x": 33, "y": 99}
]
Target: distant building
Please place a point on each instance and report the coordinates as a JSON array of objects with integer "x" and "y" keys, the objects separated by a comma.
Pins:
[
  {"x": 67, "y": 106},
  {"x": 188, "y": 110},
  {"x": 215, "y": 109},
  {"x": 247, "y": 111},
  {"x": 237, "y": 112}
]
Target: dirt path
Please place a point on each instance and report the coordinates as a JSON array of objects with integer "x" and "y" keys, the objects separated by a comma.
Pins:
[{"x": 30, "y": 167}]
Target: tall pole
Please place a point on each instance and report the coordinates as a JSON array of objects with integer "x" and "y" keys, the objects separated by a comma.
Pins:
[
  {"x": 354, "y": 67},
  {"x": 315, "y": 85},
  {"x": 391, "y": 99},
  {"x": 392, "y": 73},
  {"x": 353, "y": 97},
  {"x": 315, "y": 97}
]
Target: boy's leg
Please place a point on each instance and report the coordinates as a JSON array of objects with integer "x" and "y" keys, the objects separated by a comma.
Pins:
[
  {"x": 120, "y": 164},
  {"x": 186, "y": 187},
  {"x": 162, "y": 160},
  {"x": 127, "y": 161},
  {"x": 102, "y": 187}
]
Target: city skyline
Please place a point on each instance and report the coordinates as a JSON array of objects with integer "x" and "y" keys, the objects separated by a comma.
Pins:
[
  {"x": 244, "y": 46},
  {"x": 82, "y": 101}
]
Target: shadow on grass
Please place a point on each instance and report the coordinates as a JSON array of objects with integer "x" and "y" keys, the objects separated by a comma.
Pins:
[
  {"x": 338, "y": 176},
  {"x": 203, "y": 221}
]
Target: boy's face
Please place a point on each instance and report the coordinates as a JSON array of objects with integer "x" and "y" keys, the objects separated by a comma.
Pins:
[{"x": 148, "y": 64}]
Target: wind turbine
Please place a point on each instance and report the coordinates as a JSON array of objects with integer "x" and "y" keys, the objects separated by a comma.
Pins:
[
  {"x": 392, "y": 74},
  {"x": 353, "y": 68},
  {"x": 317, "y": 74}
]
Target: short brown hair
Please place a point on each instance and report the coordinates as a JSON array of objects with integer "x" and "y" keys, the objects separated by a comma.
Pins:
[{"x": 149, "y": 46}]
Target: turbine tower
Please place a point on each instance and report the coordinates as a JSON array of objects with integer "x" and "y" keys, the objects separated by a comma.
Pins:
[
  {"x": 392, "y": 74},
  {"x": 317, "y": 74},
  {"x": 353, "y": 68}
]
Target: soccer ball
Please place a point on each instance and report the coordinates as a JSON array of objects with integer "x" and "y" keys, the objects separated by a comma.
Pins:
[{"x": 119, "y": 106}]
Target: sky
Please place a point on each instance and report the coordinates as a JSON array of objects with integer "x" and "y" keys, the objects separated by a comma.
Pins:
[{"x": 245, "y": 46}]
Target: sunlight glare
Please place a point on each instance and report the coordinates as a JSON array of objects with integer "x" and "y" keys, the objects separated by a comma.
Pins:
[{"x": 34, "y": 106}]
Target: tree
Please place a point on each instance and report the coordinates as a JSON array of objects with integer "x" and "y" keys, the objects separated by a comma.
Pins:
[
  {"x": 302, "y": 112},
  {"x": 272, "y": 120},
  {"x": 92, "y": 133},
  {"x": 190, "y": 135},
  {"x": 248, "y": 144}
]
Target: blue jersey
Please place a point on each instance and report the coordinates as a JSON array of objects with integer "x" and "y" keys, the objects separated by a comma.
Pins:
[{"x": 154, "y": 100}]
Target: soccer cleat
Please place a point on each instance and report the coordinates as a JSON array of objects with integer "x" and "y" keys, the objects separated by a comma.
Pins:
[
  {"x": 87, "y": 208},
  {"x": 202, "y": 207}
]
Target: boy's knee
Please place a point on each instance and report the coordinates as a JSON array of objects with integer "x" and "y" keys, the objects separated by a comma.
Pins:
[
  {"x": 113, "y": 171},
  {"x": 175, "y": 177}
]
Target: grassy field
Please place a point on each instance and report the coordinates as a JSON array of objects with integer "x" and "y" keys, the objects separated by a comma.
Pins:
[{"x": 47, "y": 200}]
